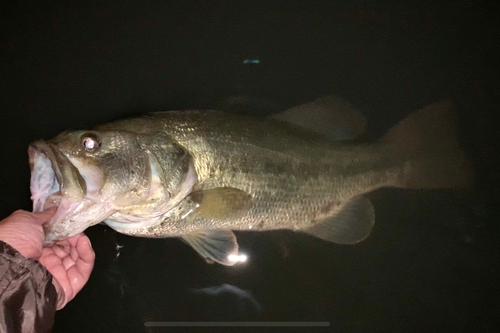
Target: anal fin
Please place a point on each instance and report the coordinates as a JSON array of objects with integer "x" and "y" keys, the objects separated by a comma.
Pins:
[{"x": 351, "y": 225}]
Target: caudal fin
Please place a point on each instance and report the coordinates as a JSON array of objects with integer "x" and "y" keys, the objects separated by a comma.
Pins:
[{"x": 427, "y": 142}]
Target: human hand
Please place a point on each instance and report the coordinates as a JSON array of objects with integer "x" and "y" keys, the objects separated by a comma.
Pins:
[
  {"x": 69, "y": 261},
  {"x": 23, "y": 231}
]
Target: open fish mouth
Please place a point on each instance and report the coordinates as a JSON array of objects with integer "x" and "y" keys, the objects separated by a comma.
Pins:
[
  {"x": 44, "y": 184},
  {"x": 55, "y": 181}
]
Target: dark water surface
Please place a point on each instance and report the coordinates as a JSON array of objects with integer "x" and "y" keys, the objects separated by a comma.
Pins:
[{"x": 432, "y": 263}]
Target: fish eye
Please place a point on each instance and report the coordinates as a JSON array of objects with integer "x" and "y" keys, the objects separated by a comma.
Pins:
[{"x": 90, "y": 142}]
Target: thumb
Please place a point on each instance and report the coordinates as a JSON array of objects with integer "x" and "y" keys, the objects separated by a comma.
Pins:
[{"x": 44, "y": 216}]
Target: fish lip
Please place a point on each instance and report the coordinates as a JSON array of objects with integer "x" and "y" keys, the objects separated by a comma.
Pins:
[
  {"x": 72, "y": 187},
  {"x": 41, "y": 147}
]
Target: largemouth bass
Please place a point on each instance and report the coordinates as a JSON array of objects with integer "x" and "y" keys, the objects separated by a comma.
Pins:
[{"x": 198, "y": 175}]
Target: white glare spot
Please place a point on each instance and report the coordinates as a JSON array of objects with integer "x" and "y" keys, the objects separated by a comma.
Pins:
[
  {"x": 250, "y": 227},
  {"x": 190, "y": 211},
  {"x": 89, "y": 143},
  {"x": 237, "y": 257},
  {"x": 118, "y": 248}
]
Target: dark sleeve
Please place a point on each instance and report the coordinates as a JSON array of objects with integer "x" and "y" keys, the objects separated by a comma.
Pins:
[{"x": 27, "y": 296}]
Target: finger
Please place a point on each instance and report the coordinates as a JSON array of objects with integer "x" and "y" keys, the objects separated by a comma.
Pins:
[
  {"x": 74, "y": 253},
  {"x": 68, "y": 262},
  {"x": 50, "y": 260},
  {"x": 60, "y": 251},
  {"x": 77, "y": 281},
  {"x": 59, "y": 276},
  {"x": 85, "y": 263},
  {"x": 79, "y": 274},
  {"x": 84, "y": 249},
  {"x": 73, "y": 241},
  {"x": 54, "y": 265}
]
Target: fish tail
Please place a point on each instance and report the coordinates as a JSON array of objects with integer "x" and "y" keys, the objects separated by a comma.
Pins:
[{"x": 428, "y": 144}]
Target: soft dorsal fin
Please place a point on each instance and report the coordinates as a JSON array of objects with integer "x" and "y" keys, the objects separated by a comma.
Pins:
[{"x": 329, "y": 115}]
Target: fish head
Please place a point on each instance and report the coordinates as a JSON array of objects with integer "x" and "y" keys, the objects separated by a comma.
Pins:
[{"x": 92, "y": 176}]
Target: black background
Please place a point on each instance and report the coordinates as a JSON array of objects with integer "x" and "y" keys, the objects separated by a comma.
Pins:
[{"x": 432, "y": 263}]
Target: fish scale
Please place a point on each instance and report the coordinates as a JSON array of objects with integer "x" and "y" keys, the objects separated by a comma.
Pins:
[
  {"x": 200, "y": 174},
  {"x": 287, "y": 191}
]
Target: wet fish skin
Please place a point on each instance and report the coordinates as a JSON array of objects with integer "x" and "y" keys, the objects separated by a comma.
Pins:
[
  {"x": 200, "y": 174},
  {"x": 293, "y": 176}
]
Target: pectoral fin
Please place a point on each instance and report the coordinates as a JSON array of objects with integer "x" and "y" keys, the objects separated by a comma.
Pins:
[
  {"x": 222, "y": 203},
  {"x": 214, "y": 245},
  {"x": 351, "y": 225}
]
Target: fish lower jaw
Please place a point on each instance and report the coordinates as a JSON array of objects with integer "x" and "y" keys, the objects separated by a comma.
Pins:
[
  {"x": 124, "y": 223},
  {"x": 73, "y": 217}
]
